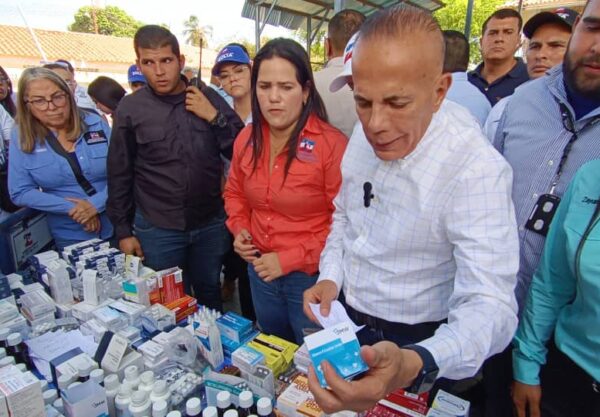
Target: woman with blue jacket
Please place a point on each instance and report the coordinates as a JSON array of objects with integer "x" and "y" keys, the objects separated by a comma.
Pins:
[{"x": 57, "y": 160}]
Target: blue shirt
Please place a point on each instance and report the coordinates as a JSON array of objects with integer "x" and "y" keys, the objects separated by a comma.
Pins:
[
  {"x": 565, "y": 293},
  {"x": 531, "y": 136},
  {"x": 43, "y": 179},
  {"x": 503, "y": 86},
  {"x": 466, "y": 94}
]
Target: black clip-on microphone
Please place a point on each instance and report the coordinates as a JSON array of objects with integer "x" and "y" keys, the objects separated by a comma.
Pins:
[{"x": 368, "y": 195}]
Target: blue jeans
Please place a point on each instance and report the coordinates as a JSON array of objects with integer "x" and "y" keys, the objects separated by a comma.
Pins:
[
  {"x": 199, "y": 253},
  {"x": 278, "y": 304}
]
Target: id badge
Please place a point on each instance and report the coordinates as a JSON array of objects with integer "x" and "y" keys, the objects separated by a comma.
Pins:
[{"x": 542, "y": 214}]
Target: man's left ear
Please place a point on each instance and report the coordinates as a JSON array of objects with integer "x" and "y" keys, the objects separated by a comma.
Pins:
[
  {"x": 181, "y": 62},
  {"x": 443, "y": 85}
]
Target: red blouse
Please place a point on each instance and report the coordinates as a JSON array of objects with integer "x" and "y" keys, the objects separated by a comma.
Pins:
[{"x": 291, "y": 218}]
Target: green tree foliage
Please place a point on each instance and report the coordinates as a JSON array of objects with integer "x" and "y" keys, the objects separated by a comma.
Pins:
[
  {"x": 454, "y": 14},
  {"x": 110, "y": 20},
  {"x": 317, "y": 48},
  {"x": 194, "y": 32}
]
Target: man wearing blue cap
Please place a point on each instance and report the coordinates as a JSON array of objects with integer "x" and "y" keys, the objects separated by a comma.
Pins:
[{"x": 135, "y": 78}]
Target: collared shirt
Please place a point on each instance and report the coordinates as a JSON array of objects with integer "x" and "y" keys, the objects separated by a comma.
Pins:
[
  {"x": 565, "y": 293},
  {"x": 7, "y": 124},
  {"x": 503, "y": 86},
  {"x": 43, "y": 179},
  {"x": 166, "y": 162},
  {"x": 493, "y": 119},
  {"x": 438, "y": 241},
  {"x": 532, "y": 137},
  {"x": 466, "y": 94},
  {"x": 340, "y": 106},
  {"x": 291, "y": 217}
]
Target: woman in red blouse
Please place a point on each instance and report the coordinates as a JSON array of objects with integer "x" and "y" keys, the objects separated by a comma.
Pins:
[{"x": 279, "y": 195}]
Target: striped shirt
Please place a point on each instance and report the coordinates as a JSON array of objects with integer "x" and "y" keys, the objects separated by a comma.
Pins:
[
  {"x": 438, "y": 241},
  {"x": 531, "y": 136}
]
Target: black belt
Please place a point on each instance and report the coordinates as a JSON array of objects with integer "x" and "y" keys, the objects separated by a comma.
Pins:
[{"x": 420, "y": 331}]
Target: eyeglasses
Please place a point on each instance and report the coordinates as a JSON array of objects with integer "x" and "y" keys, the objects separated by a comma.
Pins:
[
  {"x": 236, "y": 72},
  {"x": 59, "y": 100}
]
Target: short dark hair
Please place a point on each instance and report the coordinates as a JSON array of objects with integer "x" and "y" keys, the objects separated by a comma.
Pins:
[
  {"x": 106, "y": 91},
  {"x": 296, "y": 55},
  {"x": 456, "y": 57},
  {"x": 8, "y": 103},
  {"x": 342, "y": 26},
  {"x": 503, "y": 14},
  {"x": 67, "y": 64},
  {"x": 57, "y": 65},
  {"x": 154, "y": 37}
]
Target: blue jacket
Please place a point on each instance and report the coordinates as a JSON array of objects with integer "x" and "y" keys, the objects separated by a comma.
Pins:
[
  {"x": 43, "y": 179},
  {"x": 564, "y": 298}
]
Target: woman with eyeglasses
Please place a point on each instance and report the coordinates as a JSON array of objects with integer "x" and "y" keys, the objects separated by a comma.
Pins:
[
  {"x": 279, "y": 195},
  {"x": 232, "y": 68},
  {"x": 58, "y": 159},
  {"x": 556, "y": 353}
]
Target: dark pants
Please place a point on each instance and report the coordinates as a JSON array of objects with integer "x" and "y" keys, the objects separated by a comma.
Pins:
[
  {"x": 199, "y": 253},
  {"x": 278, "y": 304},
  {"x": 497, "y": 379},
  {"x": 567, "y": 390}
]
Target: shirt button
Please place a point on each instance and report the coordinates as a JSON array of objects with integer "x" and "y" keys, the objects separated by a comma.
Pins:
[
  {"x": 535, "y": 195},
  {"x": 521, "y": 228},
  {"x": 550, "y": 163},
  {"x": 81, "y": 157},
  {"x": 276, "y": 166}
]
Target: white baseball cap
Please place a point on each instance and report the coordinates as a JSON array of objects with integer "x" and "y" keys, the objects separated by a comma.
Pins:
[{"x": 342, "y": 78}]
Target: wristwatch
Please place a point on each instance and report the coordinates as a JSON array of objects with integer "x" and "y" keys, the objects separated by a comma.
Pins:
[
  {"x": 219, "y": 121},
  {"x": 427, "y": 375}
]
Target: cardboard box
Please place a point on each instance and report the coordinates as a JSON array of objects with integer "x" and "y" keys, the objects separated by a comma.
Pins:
[
  {"x": 20, "y": 394},
  {"x": 451, "y": 404}
]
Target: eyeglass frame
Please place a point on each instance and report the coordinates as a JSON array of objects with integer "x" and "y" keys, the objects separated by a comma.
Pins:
[
  {"x": 58, "y": 94},
  {"x": 233, "y": 73}
]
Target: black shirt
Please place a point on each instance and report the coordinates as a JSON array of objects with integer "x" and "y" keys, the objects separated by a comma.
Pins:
[
  {"x": 503, "y": 86},
  {"x": 166, "y": 162}
]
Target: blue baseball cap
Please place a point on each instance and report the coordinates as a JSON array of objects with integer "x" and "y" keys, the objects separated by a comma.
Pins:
[
  {"x": 134, "y": 75},
  {"x": 232, "y": 53}
]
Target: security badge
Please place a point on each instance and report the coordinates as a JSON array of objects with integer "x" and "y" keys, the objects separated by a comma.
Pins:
[{"x": 94, "y": 137}]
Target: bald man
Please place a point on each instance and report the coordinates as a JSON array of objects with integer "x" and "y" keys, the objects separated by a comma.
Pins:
[{"x": 424, "y": 241}]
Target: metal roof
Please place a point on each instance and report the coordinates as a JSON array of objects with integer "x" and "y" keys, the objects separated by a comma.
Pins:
[{"x": 292, "y": 14}]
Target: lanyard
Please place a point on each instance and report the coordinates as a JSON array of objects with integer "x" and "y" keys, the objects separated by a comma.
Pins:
[{"x": 569, "y": 125}]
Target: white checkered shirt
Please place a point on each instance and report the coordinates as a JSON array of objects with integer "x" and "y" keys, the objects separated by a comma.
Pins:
[{"x": 438, "y": 241}]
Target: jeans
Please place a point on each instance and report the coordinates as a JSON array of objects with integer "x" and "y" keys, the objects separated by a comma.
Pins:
[
  {"x": 278, "y": 304},
  {"x": 199, "y": 253}
]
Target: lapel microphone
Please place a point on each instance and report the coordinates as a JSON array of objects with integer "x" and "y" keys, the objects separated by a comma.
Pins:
[{"x": 368, "y": 195}]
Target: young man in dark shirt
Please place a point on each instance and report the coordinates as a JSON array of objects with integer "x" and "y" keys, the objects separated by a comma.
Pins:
[
  {"x": 165, "y": 169},
  {"x": 500, "y": 72}
]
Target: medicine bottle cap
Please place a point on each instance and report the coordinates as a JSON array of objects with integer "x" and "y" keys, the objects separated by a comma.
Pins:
[
  {"x": 231, "y": 413},
  {"x": 22, "y": 367},
  {"x": 14, "y": 339},
  {"x": 264, "y": 406},
  {"x": 131, "y": 372},
  {"x": 50, "y": 396},
  {"x": 159, "y": 407},
  {"x": 139, "y": 398},
  {"x": 111, "y": 382},
  {"x": 43, "y": 384},
  {"x": 223, "y": 399},
  {"x": 85, "y": 369},
  {"x": 160, "y": 387},
  {"x": 210, "y": 412},
  {"x": 124, "y": 391},
  {"x": 245, "y": 399},
  {"x": 2, "y": 353},
  {"x": 4, "y": 332},
  {"x": 97, "y": 375},
  {"x": 74, "y": 384},
  {"x": 9, "y": 360},
  {"x": 58, "y": 404},
  {"x": 64, "y": 381},
  {"x": 192, "y": 406},
  {"x": 147, "y": 377},
  {"x": 174, "y": 414}
]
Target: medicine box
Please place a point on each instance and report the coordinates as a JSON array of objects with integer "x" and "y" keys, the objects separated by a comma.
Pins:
[
  {"x": 85, "y": 400},
  {"x": 20, "y": 394},
  {"x": 339, "y": 346},
  {"x": 451, "y": 404}
]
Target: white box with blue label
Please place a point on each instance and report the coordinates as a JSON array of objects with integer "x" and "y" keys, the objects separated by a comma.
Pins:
[{"x": 339, "y": 346}]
